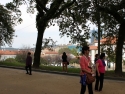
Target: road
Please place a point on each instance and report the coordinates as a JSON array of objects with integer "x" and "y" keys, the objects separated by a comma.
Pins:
[{"x": 14, "y": 81}]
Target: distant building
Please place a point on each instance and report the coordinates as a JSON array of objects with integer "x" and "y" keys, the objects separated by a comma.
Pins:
[{"x": 7, "y": 54}]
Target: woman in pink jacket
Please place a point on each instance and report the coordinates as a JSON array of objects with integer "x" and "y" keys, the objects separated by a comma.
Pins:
[
  {"x": 85, "y": 68},
  {"x": 100, "y": 71}
]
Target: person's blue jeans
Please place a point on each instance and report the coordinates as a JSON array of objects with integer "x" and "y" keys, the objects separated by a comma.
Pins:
[{"x": 83, "y": 88}]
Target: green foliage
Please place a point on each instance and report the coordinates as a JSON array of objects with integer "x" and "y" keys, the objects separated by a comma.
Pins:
[
  {"x": 48, "y": 43},
  {"x": 67, "y": 50},
  {"x": 111, "y": 53},
  {"x": 21, "y": 56},
  {"x": 74, "y": 51},
  {"x": 11, "y": 62},
  {"x": 74, "y": 60},
  {"x": 7, "y": 22},
  {"x": 6, "y": 29},
  {"x": 43, "y": 61}
]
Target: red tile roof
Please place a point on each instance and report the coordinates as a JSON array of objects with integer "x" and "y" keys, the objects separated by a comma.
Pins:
[
  {"x": 6, "y": 52},
  {"x": 108, "y": 40},
  {"x": 93, "y": 47}
]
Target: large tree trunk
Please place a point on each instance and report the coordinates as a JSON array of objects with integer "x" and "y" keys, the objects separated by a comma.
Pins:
[
  {"x": 37, "y": 54},
  {"x": 120, "y": 42}
]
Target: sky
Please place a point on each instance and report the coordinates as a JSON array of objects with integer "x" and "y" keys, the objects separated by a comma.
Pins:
[{"x": 26, "y": 32}]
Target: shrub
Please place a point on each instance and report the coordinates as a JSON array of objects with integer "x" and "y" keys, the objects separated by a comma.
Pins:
[
  {"x": 43, "y": 61},
  {"x": 21, "y": 57},
  {"x": 10, "y": 60}
]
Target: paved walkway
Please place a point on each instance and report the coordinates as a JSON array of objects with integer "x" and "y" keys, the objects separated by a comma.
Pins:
[{"x": 14, "y": 81}]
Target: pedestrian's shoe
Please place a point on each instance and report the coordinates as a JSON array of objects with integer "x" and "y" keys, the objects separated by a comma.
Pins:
[
  {"x": 30, "y": 74},
  {"x": 27, "y": 73},
  {"x": 96, "y": 91}
]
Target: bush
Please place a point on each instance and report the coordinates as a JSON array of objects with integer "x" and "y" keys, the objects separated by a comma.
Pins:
[
  {"x": 74, "y": 60},
  {"x": 21, "y": 58},
  {"x": 10, "y": 60},
  {"x": 43, "y": 61}
]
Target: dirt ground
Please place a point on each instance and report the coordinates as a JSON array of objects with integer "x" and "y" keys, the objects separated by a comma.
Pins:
[{"x": 14, "y": 81}]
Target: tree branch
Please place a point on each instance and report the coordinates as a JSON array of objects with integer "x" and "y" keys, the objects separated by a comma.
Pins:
[
  {"x": 112, "y": 12},
  {"x": 53, "y": 8},
  {"x": 63, "y": 8},
  {"x": 42, "y": 4},
  {"x": 120, "y": 6}
]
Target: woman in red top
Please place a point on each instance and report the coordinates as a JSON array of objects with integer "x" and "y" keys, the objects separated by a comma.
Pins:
[
  {"x": 84, "y": 64},
  {"x": 100, "y": 70}
]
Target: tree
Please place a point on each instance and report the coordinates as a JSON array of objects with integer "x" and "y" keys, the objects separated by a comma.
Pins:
[
  {"x": 43, "y": 61},
  {"x": 48, "y": 10},
  {"x": 74, "y": 51},
  {"x": 9, "y": 17},
  {"x": 48, "y": 43},
  {"x": 115, "y": 10},
  {"x": 44, "y": 16},
  {"x": 58, "y": 60},
  {"x": 22, "y": 54},
  {"x": 67, "y": 50},
  {"x": 74, "y": 60},
  {"x": 112, "y": 22}
]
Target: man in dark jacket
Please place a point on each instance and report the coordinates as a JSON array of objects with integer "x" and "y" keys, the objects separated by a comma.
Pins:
[{"x": 28, "y": 63}]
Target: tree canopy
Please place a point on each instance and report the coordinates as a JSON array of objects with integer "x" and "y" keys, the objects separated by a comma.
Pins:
[
  {"x": 9, "y": 17},
  {"x": 110, "y": 13}
]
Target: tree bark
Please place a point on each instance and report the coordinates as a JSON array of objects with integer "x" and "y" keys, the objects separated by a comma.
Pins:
[
  {"x": 119, "y": 49},
  {"x": 37, "y": 54}
]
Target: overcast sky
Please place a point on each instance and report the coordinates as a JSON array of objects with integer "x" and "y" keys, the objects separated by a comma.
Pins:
[{"x": 27, "y": 33}]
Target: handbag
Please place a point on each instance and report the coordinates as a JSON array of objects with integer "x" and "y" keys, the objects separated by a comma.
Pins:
[
  {"x": 89, "y": 78},
  {"x": 67, "y": 62}
]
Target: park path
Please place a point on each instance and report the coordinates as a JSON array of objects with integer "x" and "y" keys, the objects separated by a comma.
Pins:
[{"x": 14, "y": 81}]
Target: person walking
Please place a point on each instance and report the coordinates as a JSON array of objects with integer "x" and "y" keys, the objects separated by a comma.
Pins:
[
  {"x": 64, "y": 61},
  {"x": 28, "y": 64},
  {"x": 100, "y": 71},
  {"x": 85, "y": 68}
]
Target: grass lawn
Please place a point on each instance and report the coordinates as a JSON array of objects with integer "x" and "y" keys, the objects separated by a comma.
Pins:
[{"x": 57, "y": 68}]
